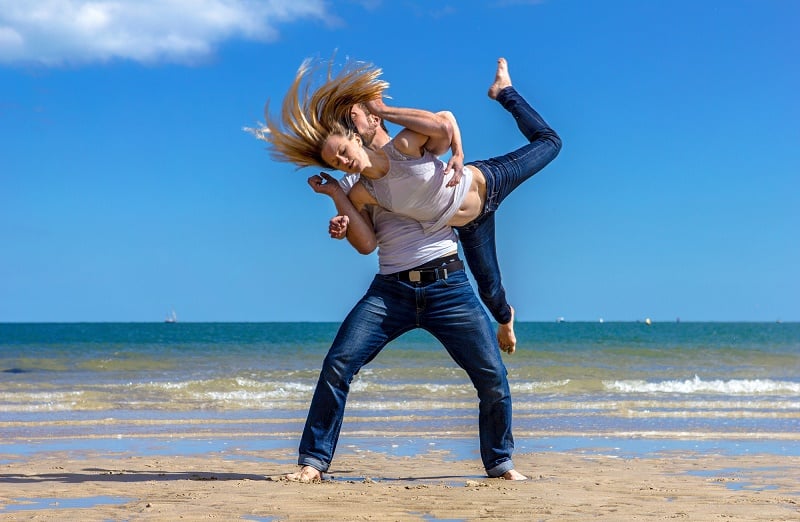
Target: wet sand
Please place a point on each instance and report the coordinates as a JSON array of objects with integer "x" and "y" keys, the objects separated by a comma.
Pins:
[{"x": 244, "y": 484}]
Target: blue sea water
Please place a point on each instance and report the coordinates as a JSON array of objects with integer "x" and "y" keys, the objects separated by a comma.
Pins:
[{"x": 657, "y": 383}]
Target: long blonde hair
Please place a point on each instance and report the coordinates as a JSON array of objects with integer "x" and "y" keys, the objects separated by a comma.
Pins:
[{"x": 310, "y": 114}]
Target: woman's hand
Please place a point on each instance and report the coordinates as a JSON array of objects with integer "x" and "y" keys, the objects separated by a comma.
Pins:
[
  {"x": 456, "y": 164},
  {"x": 337, "y": 227},
  {"x": 324, "y": 183}
]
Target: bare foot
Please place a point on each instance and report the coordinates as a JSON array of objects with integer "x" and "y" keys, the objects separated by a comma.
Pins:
[
  {"x": 505, "y": 335},
  {"x": 306, "y": 474},
  {"x": 501, "y": 79},
  {"x": 514, "y": 475}
]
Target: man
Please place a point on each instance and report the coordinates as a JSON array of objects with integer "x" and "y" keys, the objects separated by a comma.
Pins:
[
  {"x": 421, "y": 284},
  {"x": 450, "y": 311}
]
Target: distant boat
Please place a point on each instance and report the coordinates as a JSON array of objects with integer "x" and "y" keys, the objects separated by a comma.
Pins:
[
  {"x": 560, "y": 320},
  {"x": 172, "y": 318}
]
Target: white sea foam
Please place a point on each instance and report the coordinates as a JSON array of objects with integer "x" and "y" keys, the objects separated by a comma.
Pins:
[
  {"x": 363, "y": 385},
  {"x": 535, "y": 386},
  {"x": 698, "y": 385},
  {"x": 170, "y": 385},
  {"x": 250, "y": 397},
  {"x": 39, "y": 401}
]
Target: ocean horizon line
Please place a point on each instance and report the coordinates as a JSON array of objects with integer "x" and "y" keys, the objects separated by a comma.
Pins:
[{"x": 519, "y": 321}]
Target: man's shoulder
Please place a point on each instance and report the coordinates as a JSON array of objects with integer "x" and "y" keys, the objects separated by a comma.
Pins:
[
  {"x": 348, "y": 182},
  {"x": 391, "y": 149}
]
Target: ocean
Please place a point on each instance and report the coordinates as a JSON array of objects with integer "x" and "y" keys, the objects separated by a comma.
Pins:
[{"x": 613, "y": 384}]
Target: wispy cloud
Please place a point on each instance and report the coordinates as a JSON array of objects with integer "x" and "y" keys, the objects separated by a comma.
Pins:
[{"x": 57, "y": 32}]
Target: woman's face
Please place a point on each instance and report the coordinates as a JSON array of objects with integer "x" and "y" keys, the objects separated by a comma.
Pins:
[{"x": 345, "y": 154}]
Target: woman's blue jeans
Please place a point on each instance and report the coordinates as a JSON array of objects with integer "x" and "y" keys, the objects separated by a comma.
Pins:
[
  {"x": 450, "y": 311},
  {"x": 504, "y": 174}
]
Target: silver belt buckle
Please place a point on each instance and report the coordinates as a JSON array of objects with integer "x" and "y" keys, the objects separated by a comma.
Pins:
[{"x": 415, "y": 276}]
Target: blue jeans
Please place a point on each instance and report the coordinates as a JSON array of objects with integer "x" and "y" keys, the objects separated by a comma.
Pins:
[
  {"x": 450, "y": 311},
  {"x": 503, "y": 174}
]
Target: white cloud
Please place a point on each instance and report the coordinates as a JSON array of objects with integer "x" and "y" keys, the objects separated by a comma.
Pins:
[
  {"x": 10, "y": 41},
  {"x": 55, "y": 32}
]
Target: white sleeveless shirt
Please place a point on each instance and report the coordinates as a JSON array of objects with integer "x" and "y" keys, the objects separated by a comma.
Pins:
[
  {"x": 402, "y": 243},
  {"x": 415, "y": 187}
]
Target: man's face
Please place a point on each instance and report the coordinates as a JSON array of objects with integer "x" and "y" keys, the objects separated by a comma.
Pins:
[{"x": 365, "y": 124}]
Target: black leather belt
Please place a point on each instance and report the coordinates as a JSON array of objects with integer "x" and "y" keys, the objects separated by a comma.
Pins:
[{"x": 432, "y": 271}]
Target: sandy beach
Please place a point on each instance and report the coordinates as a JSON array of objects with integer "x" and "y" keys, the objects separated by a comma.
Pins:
[{"x": 367, "y": 485}]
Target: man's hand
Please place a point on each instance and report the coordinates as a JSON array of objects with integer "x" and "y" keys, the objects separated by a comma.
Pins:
[
  {"x": 337, "y": 227},
  {"x": 376, "y": 106},
  {"x": 324, "y": 183}
]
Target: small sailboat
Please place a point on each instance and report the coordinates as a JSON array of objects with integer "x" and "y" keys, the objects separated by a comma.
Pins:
[{"x": 171, "y": 318}]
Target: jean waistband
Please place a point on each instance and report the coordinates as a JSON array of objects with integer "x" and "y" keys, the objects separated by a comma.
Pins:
[{"x": 431, "y": 271}]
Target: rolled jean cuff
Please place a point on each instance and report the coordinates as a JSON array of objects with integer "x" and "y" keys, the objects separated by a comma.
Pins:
[
  {"x": 504, "y": 93},
  {"x": 503, "y": 316},
  {"x": 500, "y": 469},
  {"x": 306, "y": 460}
]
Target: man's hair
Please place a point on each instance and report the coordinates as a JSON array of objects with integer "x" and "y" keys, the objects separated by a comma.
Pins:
[{"x": 311, "y": 113}]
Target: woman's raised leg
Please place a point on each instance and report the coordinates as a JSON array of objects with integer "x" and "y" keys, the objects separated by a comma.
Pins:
[{"x": 504, "y": 174}]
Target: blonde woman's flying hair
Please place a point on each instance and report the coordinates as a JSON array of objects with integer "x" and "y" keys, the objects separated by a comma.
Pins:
[{"x": 311, "y": 113}]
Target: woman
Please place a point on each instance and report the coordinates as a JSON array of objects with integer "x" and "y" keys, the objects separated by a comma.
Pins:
[{"x": 405, "y": 176}]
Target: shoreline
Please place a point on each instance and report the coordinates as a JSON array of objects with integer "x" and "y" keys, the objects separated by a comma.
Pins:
[
  {"x": 461, "y": 446},
  {"x": 374, "y": 479}
]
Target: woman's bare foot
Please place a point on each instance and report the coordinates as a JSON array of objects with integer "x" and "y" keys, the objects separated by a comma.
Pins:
[
  {"x": 514, "y": 475},
  {"x": 306, "y": 474},
  {"x": 501, "y": 79},
  {"x": 505, "y": 335}
]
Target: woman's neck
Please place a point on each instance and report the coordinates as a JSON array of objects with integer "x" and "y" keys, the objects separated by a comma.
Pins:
[{"x": 379, "y": 164}]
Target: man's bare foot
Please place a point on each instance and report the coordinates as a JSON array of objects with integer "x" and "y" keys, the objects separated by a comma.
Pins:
[
  {"x": 514, "y": 475},
  {"x": 501, "y": 79},
  {"x": 505, "y": 335},
  {"x": 306, "y": 474}
]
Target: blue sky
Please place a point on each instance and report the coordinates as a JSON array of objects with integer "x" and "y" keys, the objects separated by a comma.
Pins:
[{"x": 128, "y": 189}]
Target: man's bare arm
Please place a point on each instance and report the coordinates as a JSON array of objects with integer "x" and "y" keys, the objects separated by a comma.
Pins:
[
  {"x": 435, "y": 132},
  {"x": 360, "y": 233}
]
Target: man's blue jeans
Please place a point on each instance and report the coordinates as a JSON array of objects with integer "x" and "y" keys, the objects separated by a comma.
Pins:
[
  {"x": 504, "y": 174},
  {"x": 448, "y": 309}
]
